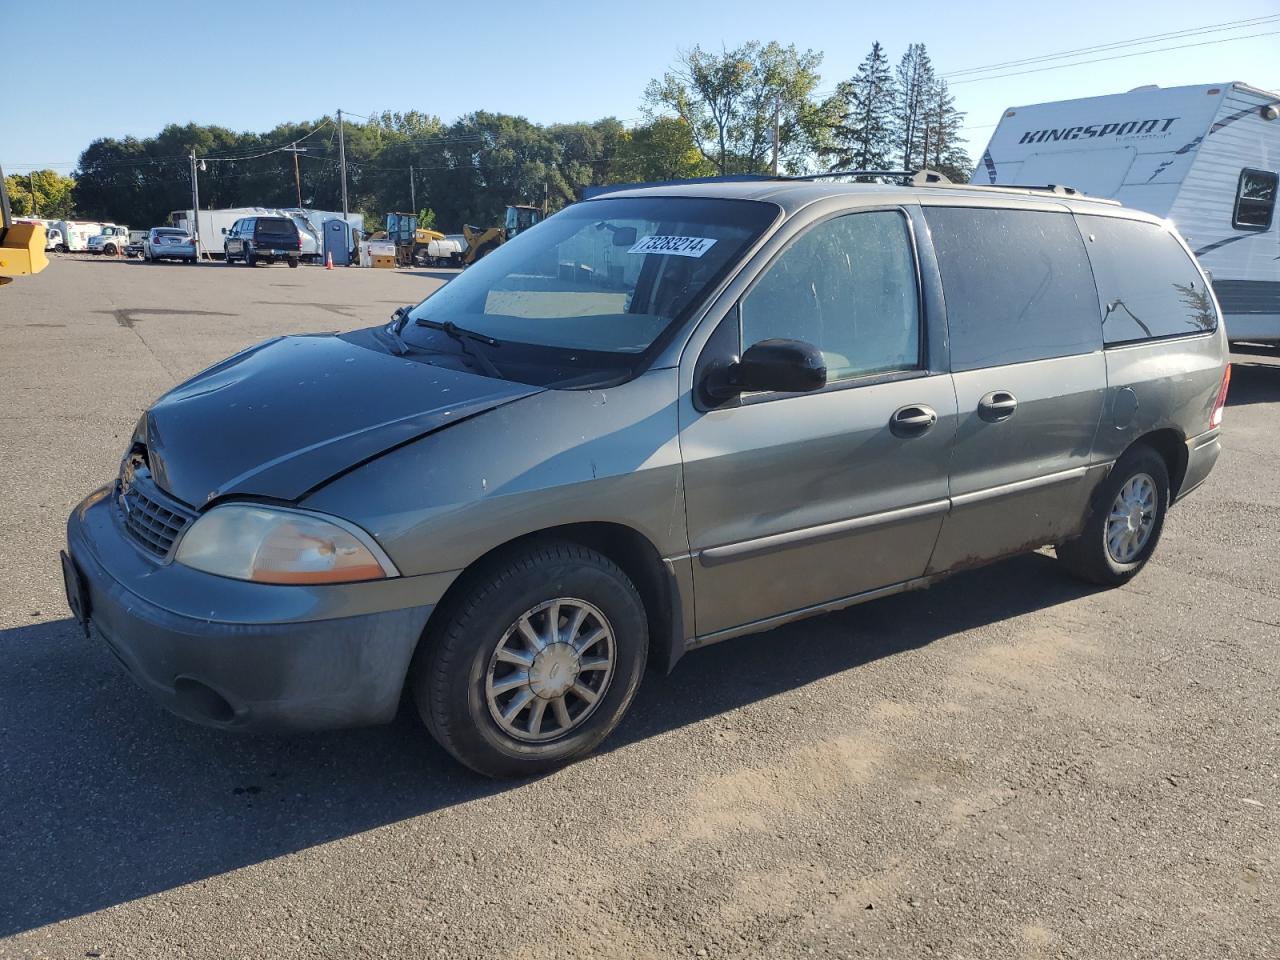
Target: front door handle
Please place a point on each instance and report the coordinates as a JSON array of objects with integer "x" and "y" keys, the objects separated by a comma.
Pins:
[
  {"x": 997, "y": 405},
  {"x": 912, "y": 420}
]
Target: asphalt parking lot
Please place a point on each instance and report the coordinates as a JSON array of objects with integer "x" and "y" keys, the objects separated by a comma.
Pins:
[{"x": 1009, "y": 764}]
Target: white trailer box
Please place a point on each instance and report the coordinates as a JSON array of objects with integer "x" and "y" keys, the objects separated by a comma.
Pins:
[
  {"x": 1205, "y": 157},
  {"x": 76, "y": 234}
]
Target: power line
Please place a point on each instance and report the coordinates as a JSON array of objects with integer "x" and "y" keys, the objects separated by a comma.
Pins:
[
  {"x": 1119, "y": 56},
  {"x": 1136, "y": 41}
]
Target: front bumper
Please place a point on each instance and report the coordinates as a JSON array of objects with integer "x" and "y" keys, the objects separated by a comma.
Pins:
[{"x": 247, "y": 656}]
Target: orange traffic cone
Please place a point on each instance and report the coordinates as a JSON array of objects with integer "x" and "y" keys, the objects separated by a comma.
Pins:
[{"x": 328, "y": 260}]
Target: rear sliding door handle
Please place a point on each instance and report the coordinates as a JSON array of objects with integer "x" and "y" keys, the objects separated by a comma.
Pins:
[
  {"x": 912, "y": 420},
  {"x": 997, "y": 405}
]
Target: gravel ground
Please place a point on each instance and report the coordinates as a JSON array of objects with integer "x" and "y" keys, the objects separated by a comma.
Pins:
[{"x": 1007, "y": 765}]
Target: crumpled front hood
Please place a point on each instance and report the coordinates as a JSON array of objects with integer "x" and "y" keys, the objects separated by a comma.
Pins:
[{"x": 281, "y": 418}]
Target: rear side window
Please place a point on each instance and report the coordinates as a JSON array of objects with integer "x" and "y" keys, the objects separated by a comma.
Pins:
[
  {"x": 847, "y": 286},
  {"x": 276, "y": 226},
  {"x": 1255, "y": 200},
  {"x": 1017, "y": 285},
  {"x": 1147, "y": 284}
]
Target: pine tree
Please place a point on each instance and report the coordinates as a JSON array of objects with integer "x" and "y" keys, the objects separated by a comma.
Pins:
[
  {"x": 942, "y": 147},
  {"x": 862, "y": 138},
  {"x": 915, "y": 81}
]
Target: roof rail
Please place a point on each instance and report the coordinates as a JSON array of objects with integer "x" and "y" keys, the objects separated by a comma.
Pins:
[
  {"x": 932, "y": 178},
  {"x": 918, "y": 178}
]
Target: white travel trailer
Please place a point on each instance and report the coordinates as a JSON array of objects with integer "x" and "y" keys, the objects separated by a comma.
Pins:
[
  {"x": 214, "y": 224},
  {"x": 1205, "y": 157}
]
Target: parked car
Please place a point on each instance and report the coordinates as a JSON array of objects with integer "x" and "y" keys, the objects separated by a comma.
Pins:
[
  {"x": 111, "y": 241},
  {"x": 658, "y": 420},
  {"x": 254, "y": 240},
  {"x": 137, "y": 243},
  {"x": 168, "y": 243}
]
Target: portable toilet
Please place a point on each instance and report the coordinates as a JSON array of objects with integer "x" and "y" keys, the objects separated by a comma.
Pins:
[{"x": 337, "y": 242}]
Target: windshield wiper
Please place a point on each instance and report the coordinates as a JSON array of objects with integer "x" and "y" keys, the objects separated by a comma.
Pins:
[
  {"x": 455, "y": 331},
  {"x": 394, "y": 326},
  {"x": 461, "y": 335}
]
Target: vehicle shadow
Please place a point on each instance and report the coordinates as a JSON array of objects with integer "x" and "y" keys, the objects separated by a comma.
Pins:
[
  {"x": 104, "y": 798},
  {"x": 1253, "y": 383}
]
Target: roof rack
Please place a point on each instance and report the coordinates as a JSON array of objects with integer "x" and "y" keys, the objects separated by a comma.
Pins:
[
  {"x": 932, "y": 178},
  {"x": 918, "y": 178}
]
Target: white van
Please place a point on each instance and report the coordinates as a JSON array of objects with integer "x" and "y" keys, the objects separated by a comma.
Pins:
[{"x": 1205, "y": 157}]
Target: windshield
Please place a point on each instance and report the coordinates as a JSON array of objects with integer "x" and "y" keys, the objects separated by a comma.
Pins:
[{"x": 598, "y": 284}]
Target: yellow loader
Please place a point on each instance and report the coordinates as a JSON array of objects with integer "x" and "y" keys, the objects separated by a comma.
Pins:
[{"x": 21, "y": 244}]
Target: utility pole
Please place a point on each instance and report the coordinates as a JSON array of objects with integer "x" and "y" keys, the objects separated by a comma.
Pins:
[
  {"x": 413, "y": 197},
  {"x": 195, "y": 206},
  {"x": 35, "y": 204},
  {"x": 297, "y": 177},
  {"x": 777, "y": 109},
  {"x": 342, "y": 164}
]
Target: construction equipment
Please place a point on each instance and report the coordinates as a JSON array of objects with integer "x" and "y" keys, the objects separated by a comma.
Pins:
[
  {"x": 419, "y": 246},
  {"x": 480, "y": 242},
  {"x": 21, "y": 244}
]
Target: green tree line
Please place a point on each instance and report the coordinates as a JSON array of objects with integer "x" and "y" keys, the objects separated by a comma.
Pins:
[{"x": 712, "y": 112}]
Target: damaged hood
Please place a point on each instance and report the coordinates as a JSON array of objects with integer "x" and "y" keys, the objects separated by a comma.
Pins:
[{"x": 281, "y": 418}]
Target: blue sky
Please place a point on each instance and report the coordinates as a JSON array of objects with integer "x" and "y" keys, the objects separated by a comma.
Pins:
[{"x": 179, "y": 62}]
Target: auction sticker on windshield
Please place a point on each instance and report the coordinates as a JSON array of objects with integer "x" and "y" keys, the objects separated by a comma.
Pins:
[{"x": 674, "y": 246}]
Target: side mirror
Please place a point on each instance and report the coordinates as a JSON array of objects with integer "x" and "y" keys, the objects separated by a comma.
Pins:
[
  {"x": 776, "y": 366},
  {"x": 624, "y": 237},
  {"x": 224, "y": 231}
]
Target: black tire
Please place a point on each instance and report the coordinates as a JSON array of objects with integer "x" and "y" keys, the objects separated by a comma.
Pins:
[
  {"x": 449, "y": 672},
  {"x": 226, "y": 257},
  {"x": 250, "y": 258},
  {"x": 1088, "y": 556},
  {"x": 61, "y": 248},
  {"x": 293, "y": 263},
  {"x": 109, "y": 249}
]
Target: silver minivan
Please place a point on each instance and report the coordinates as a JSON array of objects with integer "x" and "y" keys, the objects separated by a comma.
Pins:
[{"x": 660, "y": 419}]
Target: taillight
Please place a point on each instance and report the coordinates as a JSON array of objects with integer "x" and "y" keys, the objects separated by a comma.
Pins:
[{"x": 1215, "y": 419}]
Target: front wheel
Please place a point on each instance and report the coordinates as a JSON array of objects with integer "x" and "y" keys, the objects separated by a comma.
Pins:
[
  {"x": 534, "y": 663},
  {"x": 1124, "y": 523},
  {"x": 109, "y": 250}
]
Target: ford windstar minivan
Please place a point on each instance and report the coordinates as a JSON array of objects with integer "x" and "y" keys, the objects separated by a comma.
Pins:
[{"x": 660, "y": 419}]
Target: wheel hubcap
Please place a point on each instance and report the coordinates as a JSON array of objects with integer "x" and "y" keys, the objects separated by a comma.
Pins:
[
  {"x": 550, "y": 670},
  {"x": 1132, "y": 518}
]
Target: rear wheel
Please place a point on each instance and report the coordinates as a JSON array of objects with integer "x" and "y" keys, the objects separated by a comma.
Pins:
[
  {"x": 535, "y": 663},
  {"x": 1124, "y": 523},
  {"x": 293, "y": 261},
  {"x": 250, "y": 259}
]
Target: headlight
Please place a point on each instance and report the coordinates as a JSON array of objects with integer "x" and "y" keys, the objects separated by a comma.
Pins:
[{"x": 276, "y": 545}]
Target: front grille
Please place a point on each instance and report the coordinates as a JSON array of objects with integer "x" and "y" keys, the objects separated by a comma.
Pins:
[{"x": 152, "y": 518}]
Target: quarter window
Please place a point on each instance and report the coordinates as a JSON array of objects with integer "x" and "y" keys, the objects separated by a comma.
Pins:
[
  {"x": 1147, "y": 284},
  {"x": 847, "y": 286},
  {"x": 1017, "y": 285},
  {"x": 1255, "y": 200}
]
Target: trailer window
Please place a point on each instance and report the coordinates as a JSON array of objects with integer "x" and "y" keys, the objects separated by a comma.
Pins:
[{"x": 1255, "y": 200}]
